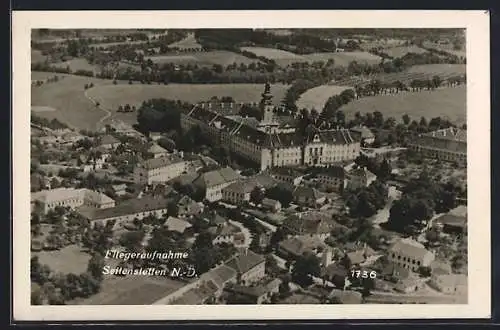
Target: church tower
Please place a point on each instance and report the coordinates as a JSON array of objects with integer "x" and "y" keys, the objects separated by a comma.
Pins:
[{"x": 266, "y": 106}]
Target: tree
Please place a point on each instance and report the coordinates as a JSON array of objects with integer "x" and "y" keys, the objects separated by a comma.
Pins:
[
  {"x": 281, "y": 194},
  {"x": 256, "y": 195},
  {"x": 172, "y": 209},
  {"x": 132, "y": 240},
  {"x": 95, "y": 266},
  {"x": 305, "y": 268},
  {"x": 384, "y": 170},
  {"x": 39, "y": 273},
  {"x": 279, "y": 235}
]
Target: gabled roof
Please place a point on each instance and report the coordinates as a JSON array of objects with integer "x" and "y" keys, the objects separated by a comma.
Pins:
[
  {"x": 224, "y": 230},
  {"x": 217, "y": 177},
  {"x": 270, "y": 202},
  {"x": 361, "y": 172},
  {"x": 410, "y": 248},
  {"x": 245, "y": 261},
  {"x": 220, "y": 275},
  {"x": 310, "y": 222},
  {"x": 333, "y": 171},
  {"x": 176, "y": 224},
  {"x": 157, "y": 149},
  {"x": 155, "y": 163},
  {"x": 301, "y": 244},
  {"x": 308, "y": 192},
  {"x": 363, "y": 131}
]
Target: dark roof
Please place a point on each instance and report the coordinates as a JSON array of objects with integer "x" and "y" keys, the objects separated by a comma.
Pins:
[
  {"x": 128, "y": 207},
  {"x": 333, "y": 171},
  {"x": 308, "y": 192},
  {"x": 197, "y": 295},
  {"x": 220, "y": 275},
  {"x": 363, "y": 131},
  {"x": 160, "y": 162},
  {"x": 245, "y": 261},
  {"x": 336, "y": 270},
  {"x": 287, "y": 171},
  {"x": 255, "y": 291},
  {"x": 217, "y": 177},
  {"x": 451, "y": 139},
  {"x": 297, "y": 246},
  {"x": 335, "y": 136}
]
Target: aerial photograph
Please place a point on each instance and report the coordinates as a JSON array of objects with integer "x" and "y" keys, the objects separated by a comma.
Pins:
[{"x": 248, "y": 166}]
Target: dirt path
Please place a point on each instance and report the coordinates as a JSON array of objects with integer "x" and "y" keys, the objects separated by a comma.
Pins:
[{"x": 105, "y": 117}]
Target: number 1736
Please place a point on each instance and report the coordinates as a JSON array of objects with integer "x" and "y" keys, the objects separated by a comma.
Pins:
[{"x": 363, "y": 274}]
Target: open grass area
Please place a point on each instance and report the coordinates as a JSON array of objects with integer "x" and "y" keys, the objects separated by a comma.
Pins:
[
  {"x": 112, "y": 96},
  {"x": 70, "y": 259},
  {"x": 425, "y": 71},
  {"x": 77, "y": 64},
  {"x": 220, "y": 57},
  {"x": 447, "y": 103},
  {"x": 316, "y": 97},
  {"x": 401, "y": 51},
  {"x": 281, "y": 57},
  {"x": 344, "y": 58},
  {"x": 186, "y": 43},
  {"x": 37, "y": 56},
  {"x": 132, "y": 290},
  {"x": 68, "y": 99}
]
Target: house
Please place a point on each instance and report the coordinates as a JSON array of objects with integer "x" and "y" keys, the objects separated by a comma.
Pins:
[
  {"x": 333, "y": 177},
  {"x": 197, "y": 295},
  {"x": 448, "y": 144},
  {"x": 187, "y": 207},
  {"x": 264, "y": 238},
  {"x": 159, "y": 170},
  {"x": 310, "y": 223},
  {"x": 155, "y": 136},
  {"x": 410, "y": 254},
  {"x": 441, "y": 267},
  {"x": 250, "y": 266},
  {"x": 359, "y": 256},
  {"x": 108, "y": 142},
  {"x": 271, "y": 205},
  {"x": 335, "y": 273},
  {"x": 126, "y": 211},
  {"x": 408, "y": 285},
  {"x": 238, "y": 192},
  {"x": 345, "y": 296},
  {"x": 220, "y": 276},
  {"x": 157, "y": 151},
  {"x": 308, "y": 196},
  {"x": 394, "y": 273},
  {"x": 225, "y": 233},
  {"x": 295, "y": 247},
  {"x": 46, "y": 200},
  {"x": 287, "y": 174},
  {"x": 359, "y": 177},
  {"x": 212, "y": 183},
  {"x": 455, "y": 221},
  {"x": 178, "y": 225},
  {"x": 120, "y": 189},
  {"x": 365, "y": 135},
  {"x": 256, "y": 294},
  {"x": 450, "y": 283}
]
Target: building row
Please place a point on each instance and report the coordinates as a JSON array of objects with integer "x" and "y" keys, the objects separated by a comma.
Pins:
[
  {"x": 449, "y": 144},
  {"x": 46, "y": 200}
]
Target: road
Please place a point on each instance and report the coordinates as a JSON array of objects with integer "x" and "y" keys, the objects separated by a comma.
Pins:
[
  {"x": 383, "y": 215},
  {"x": 105, "y": 117}
]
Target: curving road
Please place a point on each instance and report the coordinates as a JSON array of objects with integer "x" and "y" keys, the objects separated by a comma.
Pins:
[{"x": 105, "y": 117}]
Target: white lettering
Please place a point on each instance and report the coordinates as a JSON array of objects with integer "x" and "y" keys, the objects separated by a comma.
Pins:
[{"x": 105, "y": 270}]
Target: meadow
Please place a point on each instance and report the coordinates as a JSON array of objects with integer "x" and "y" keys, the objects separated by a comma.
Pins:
[
  {"x": 37, "y": 56},
  {"x": 70, "y": 259},
  {"x": 76, "y": 64},
  {"x": 449, "y": 103},
  {"x": 281, "y": 57},
  {"x": 112, "y": 96},
  {"x": 401, "y": 51},
  {"x": 316, "y": 97},
  {"x": 186, "y": 43},
  {"x": 68, "y": 99},
  {"x": 344, "y": 58},
  {"x": 210, "y": 58}
]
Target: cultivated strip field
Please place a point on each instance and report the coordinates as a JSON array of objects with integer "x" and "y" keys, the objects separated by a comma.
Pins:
[
  {"x": 112, "y": 96},
  {"x": 447, "y": 103},
  {"x": 426, "y": 71},
  {"x": 316, "y": 97},
  {"x": 344, "y": 58},
  {"x": 220, "y": 57},
  {"x": 68, "y": 99}
]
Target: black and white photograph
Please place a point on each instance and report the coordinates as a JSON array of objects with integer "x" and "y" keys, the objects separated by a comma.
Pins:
[{"x": 256, "y": 164}]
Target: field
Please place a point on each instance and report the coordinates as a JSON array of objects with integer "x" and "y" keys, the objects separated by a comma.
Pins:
[
  {"x": 344, "y": 58},
  {"x": 67, "y": 260},
  {"x": 77, "y": 64},
  {"x": 186, "y": 43},
  {"x": 446, "y": 48},
  {"x": 426, "y": 71},
  {"x": 68, "y": 99},
  {"x": 281, "y": 57},
  {"x": 112, "y": 96},
  {"x": 447, "y": 103},
  {"x": 401, "y": 51},
  {"x": 384, "y": 43},
  {"x": 317, "y": 97},
  {"x": 36, "y": 56},
  {"x": 220, "y": 57},
  {"x": 131, "y": 290}
]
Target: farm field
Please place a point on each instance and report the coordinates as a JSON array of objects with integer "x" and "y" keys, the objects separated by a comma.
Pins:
[
  {"x": 401, "y": 51},
  {"x": 316, "y": 97},
  {"x": 384, "y": 43},
  {"x": 344, "y": 58},
  {"x": 447, "y": 103},
  {"x": 426, "y": 71},
  {"x": 446, "y": 48},
  {"x": 77, "y": 64},
  {"x": 281, "y": 57},
  {"x": 68, "y": 99},
  {"x": 112, "y": 96},
  {"x": 220, "y": 57},
  {"x": 42, "y": 75},
  {"x": 70, "y": 259},
  {"x": 131, "y": 290}
]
